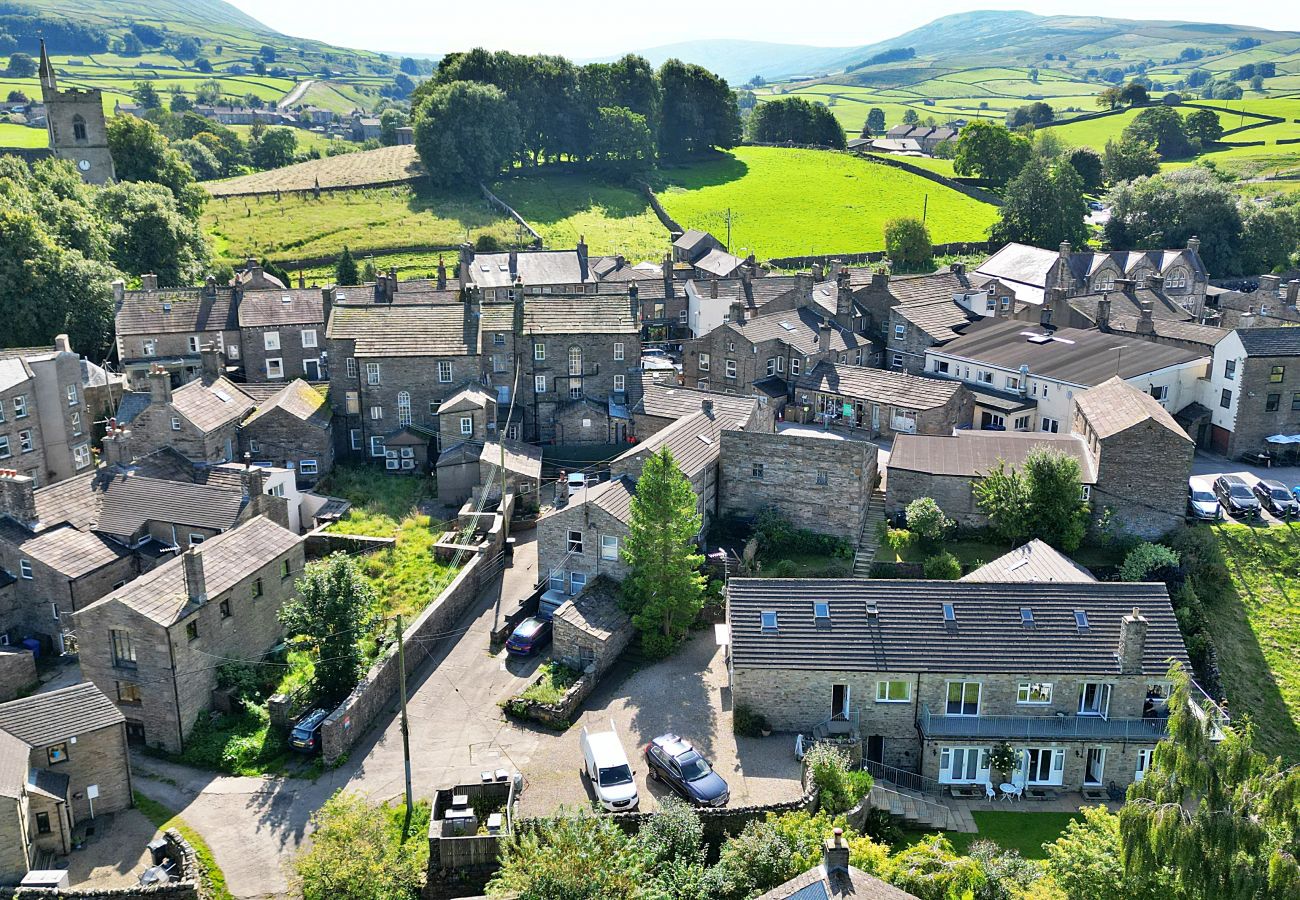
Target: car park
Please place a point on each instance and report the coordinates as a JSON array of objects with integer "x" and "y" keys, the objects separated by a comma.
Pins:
[
  {"x": 1275, "y": 498},
  {"x": 605, "y": 764},
  {"x": 1236, "y": 496},
  {"x": 1202, "y": 505},
  {"x": 305, "y": 736},
  {"x": 673, "y": 761},
  {"x": 529, "y": 636}
]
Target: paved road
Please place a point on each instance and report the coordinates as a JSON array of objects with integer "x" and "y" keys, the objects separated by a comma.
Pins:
[{"x": 294, "y": 95}]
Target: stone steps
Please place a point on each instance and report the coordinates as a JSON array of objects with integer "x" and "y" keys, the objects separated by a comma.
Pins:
[
  {"x": 919, "y": 813},
  {"x": 869, "y": 538}
]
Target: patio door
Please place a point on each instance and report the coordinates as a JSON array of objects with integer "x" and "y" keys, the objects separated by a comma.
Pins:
[
  {"x": 1094, "y": 766},
  {"x": 1043, "y": 765},
  {"x": 840, "y": 702},
  {"x": 875, "y": 417},
  {"x": 875, "y": 748},
  {"x": 1094, "y": 699},
  {"x": 963, "y": 765}
]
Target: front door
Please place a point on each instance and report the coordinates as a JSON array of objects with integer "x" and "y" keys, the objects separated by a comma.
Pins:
[
  {"x": 963, "y": 765},
  {"x": 311, "y": 369},
  {"x": 1043, "y": 765},
  {"x": 876, "y": 748},
  {"x": 1094, "y": 767},
  {"x": 135, "y": 733},
  {"x": 840, "y": 702}
]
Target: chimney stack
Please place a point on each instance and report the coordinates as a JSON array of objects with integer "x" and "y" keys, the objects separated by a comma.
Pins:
[
  {"x": 1145, "y": 323},
  {"x": 835, "y": 853},
  {"x": 392, "y": 282},
  {"x": 844, "y": 298},
  {"x": 1103, "y": 314},
  {"x": 117, "y": 447},
  {"x": 957, "y": 268},
  {"x": 62, "y": 344},
  {"x": 211, "y": 357},
  {"x": 1065, "y": 250},
  {"x": 210, "y": 287},
  {"x": 119, "y": 292},
  {"x": 713, "y": 288},
  {"x": 196, "y": 586},
  {"x": 803, "y": 283},
  {"x": 1156, "y": 283},
  {"x": 149, "y": 282},
  {"x": 1125, "y": 285},
  {"x": 666, "y": 269},
  {"x": 160, "y": 385},
  {"x": 582, "y": 256},
  {"x": 1269, "y": 284},
  {"x": 442, "y": 274},
  {"x": 326, "y": 303},
  {"x": 252, "y": 479},
  {"x": 18, "y": 495},
  {"x": 514, "y": 262},
  {"x": 1194, "y": 244},
  {"x": 462, "y": 268},
  {"x": 737, "y": 311},
  {"x": 634, "y": 300},
  {"x": 1132, "y": 643},
  {"x": 707, "y": 406},
  {"x": 818, "y": 273},
  {"x": 1292, "y": 292}
]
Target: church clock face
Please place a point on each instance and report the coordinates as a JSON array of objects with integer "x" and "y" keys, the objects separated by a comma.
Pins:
[{"x": 84, "y": 165}]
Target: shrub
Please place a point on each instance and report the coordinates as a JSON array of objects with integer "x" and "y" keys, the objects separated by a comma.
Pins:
[
  {"x": 942, "y": 566},
  {"x": 782, "y": 568},
  {"x": 357, "y": 851},
  {"x": 838, "y": 788},
  {"x": 754, "y": 861},
  {"x": 1002, "y": 758},
  {"x": 748, "y": 723},
  {"x": 926, "y": 520},
  {"x": 1149, "y": 562},
  {"x": 674, "y": 833},
  {"x": 898, "y": 540}
]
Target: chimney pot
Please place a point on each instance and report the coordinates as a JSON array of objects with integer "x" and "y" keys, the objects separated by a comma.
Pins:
[{"x": 835, "y": 853}]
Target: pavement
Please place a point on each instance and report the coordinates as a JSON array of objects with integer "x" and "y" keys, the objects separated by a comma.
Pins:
[{"x": 115, "y": 854}]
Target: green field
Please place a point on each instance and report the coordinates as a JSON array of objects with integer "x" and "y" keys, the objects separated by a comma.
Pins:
[
  {"x": 366, "y": 220},
  {"x": 613, "y": 219},
  {"x": 23, "y": 136},
  {"x": 795, "y": 202}
]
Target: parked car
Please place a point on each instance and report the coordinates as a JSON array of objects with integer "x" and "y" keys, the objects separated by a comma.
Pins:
[
  {"x": 675, "y": 762},
  {"x": 1276, "y": 498},
  {"x": 1095, "y": 205},
  {"x": 305, "y": 737},
  {"x": 605, "y": 763},
  {"x": 1236, "y": 496},
  {"x": 529, "y": 636},
  {"x": 1201, "y": 502}
]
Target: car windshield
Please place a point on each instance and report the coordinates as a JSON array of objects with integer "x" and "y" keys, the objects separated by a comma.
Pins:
[
  {"x": 1239, "y": 490},
  {"x": 528, "y": 628},
  {"x": 615, "y": 775},
  {"x": 302, "y": 731},
  {"x": 693, "y": 766},
  {"x": 1279, "y": 493},
  {"x": 1202, "y": 496}
]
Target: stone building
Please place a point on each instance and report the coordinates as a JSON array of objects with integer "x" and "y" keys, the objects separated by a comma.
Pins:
[
  {"x": 591, "y": 629},
  {"x": 931, "y": 674},
  {"x": 708, "y": 258},
  {"x": 293, "y": 430},
  {"x": 1252, "y": 393},
  {"x": 466, "y": 467},
  {"x": 169, "y": 327},
  {"x": 77, "y": 128},
  {"x": 816, "y": 484},
  {"x": 663, "y": 300},
  {"x": 151, "y": 643},
  {"x": 470, "y": 414},
  {"x": 45, "y": 417},
  {"x": 65, "y": 761},
  {"x": 709, "y": 301},
  {"x": 583, "y": 539},
  {"x": 493, "y": 276},
  {"x": 282, "y": 333},
  {"x": 200, "y": 418},
  {"x": 662, "y": 402},
  {"x": 880, "y": 403}
]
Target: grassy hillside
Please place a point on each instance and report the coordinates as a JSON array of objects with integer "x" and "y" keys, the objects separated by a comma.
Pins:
[
  {"x": 613, "y": 219},
  {"x": 363, "y": 167}
]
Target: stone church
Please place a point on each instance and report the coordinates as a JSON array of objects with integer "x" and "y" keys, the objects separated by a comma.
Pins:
[{"x": 77, "y": 127}]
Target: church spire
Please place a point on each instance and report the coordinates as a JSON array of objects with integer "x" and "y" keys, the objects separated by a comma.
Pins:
[{"x": 48, "y": 82}]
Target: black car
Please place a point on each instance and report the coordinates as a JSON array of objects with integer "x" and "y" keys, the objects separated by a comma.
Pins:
[
  {"x": 529, "y": 636},
  {"x": 305, "y": 737},
  {"x": 1236, "y": 496},
  {"x": 1276, "y": 498},
  {"x": 675, "y": 762}
]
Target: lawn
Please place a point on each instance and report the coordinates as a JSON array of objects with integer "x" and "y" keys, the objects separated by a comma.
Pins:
[
  {"x": 372, "y": 219},
  {"x": 614, "y": 219},
  {"x": 163, "y": 818},
  {"x": 1256, "y": 629},
  {"x": 385, "y": 165},
  {"x": 793, "y": 202},
  {"x": 1023, "y": 831},
  {"x": 23, "y": 136}
]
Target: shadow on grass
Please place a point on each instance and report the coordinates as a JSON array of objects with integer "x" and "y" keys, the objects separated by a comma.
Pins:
[
  {"x": 544, "y": 198},
  {"x": 707, "y": 171}
]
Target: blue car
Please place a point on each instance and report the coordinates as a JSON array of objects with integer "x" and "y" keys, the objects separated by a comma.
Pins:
[
  {"x": 675, "y": 762},
  {"x": 529, "y": 636}
]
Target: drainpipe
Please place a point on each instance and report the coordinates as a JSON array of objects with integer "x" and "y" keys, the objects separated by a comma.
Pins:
[{"x": 176, "y": 693}]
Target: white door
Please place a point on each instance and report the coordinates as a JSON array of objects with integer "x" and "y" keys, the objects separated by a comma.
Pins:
[
  {"x": 1094, "y": 766},
  {"x": 963, "y": 765},
  {"x": 1094, "y": 699},
  {"x": 1143, "y": 763},
  {"x": 840, "y": 702},
  {"x": 1043, "y": 765}
]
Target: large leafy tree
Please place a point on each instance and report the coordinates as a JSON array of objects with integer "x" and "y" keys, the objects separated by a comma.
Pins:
[
  {"x": 275, "y": 148},
  {"x": 149, "y": 233},
  {"x": 1129, "y": 158},
  {"x": 795, "y": 120},
  {"x": 622, "y": 139},
  {"x": 664, "y": 589},
  {"x": 1220, "y": 816},
  {"x": 989, "y": 151},
  {"x": 1087, "y": 162},
  {"x": 466, "y": 132},
  {"x": 142, "y": 153},
  {"x": 876, "y": 120},
  {"x": 1042, "y": 499},
  {"x": 1163, "y": 128},
  {"x": 1043, "y": 206},
  {"x": 1086, "y": 863},
  {"x": 357, "y": 852},
  {"x": 1167, "y": 209},
  {"x": 1203, "y": 126},
  {"x": 335, "y": 608},
  {"x": 907, "y": 241},
  {"x": 699, "y": 111}
]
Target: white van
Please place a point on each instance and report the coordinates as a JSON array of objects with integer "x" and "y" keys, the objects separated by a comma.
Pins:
[{"x": 606, "y": 765}]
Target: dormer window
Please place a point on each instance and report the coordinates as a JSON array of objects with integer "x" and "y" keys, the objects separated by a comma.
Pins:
[{"x": 768, "y": 621}]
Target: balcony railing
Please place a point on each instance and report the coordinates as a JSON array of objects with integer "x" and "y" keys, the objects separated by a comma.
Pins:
[{"x": 1052, "y": 727}]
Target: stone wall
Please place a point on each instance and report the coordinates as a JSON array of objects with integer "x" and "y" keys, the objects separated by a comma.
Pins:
[
  {"x": 284, "y": 439},
  {"x": 1254, "y": 423},
  {"x": 349, "y": 721},
  {"x": 151, "y": 430},
  {"x": 953, "y": 493},
  {"x": 33, "y": 463},
  {"x": 1148, "y": 500},
  {"x": 17, "y": 672},
  {"x": 719, "y": 823},
  {"x": 98, "y": 757},
  {"x": 818, "y": 484},
  {"x": 553, "y": 543},
  {"x": 292, "y": 351}
]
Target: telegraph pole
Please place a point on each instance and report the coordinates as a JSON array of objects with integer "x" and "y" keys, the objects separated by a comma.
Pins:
[{"x": 406, "y": 728}]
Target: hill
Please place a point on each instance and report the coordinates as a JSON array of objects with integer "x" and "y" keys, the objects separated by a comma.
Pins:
[{"x": 739, "y": 61}]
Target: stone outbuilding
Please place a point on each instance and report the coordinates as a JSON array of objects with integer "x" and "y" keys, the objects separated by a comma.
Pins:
[
  {"x": 881, "y": 403},
  {"x": 591, "y": 629},
  {"x": 293, "y": 429}
]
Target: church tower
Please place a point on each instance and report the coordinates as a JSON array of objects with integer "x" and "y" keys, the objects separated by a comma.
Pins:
[{"x": 77, "y": 127}]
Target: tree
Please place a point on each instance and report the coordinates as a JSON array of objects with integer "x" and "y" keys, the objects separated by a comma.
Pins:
[
  {"x": 1038, "y": 113},
  {"x": 942, "y": 566},
  {"x": 795, "y": 120},
  {"x": 141, "y": 153},
  {"x": 932, "y": 870},
  {"x": 389, "y": 121},
  {"x": 1109, "y": 98},
  {"x": 466, "y": 133},
  {"x": 180, "y": 104},
  {"x": 334, "y": 610},
  {"x": 1134, "y": 94},
  {"x": 345, "y": 270},
  {"x": 131, "y": 45},
  {"x": 409, "y": 66},
  {"x": 147, "y": 95},
  {"x": 148, "y": 233},
  {"x": 1087, "y": 163},
  {"x": 664, "y": 589},
  {"x": 622, "y": 139},
  {"x": 1162, "y": 128},
  {"x": 21, "y": 65},
  {"x": 907, "y": 241},
  {"x": 1203, "y": 126},
  {"x": 203, "y": 64},
  {"x": 699, "y": 111},
  {"x": 266, "y": 53},
  {"x": 569, "y": 857},
  {"x": 1167, "y": 209},
  {"x": 1217, "y": 814},
  {"x": 1042, "y": 499},
  {"x": 926, "y": 520},
  {"x": 910, "y": 117},
  {"x": 357, "y": 852},
  {"x": 991, "y": 152},
  {"x": 876, "y": 120},
  {"x": 275, "y": 149},
  {"x": 1085, "y": 861},
  {"x": 1149, "y": 562},
  {"x": 1129, "y": 158},
  {"x": 1043, "y": 206}
]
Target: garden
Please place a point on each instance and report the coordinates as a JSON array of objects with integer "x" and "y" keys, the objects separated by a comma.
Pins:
[{"x": 772, "y": 547}]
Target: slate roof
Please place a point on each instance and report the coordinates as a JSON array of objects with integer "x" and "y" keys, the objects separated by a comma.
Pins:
[
  {"x": 878, "y": 385},
  {"x": 690, "y": 239},
  {"x": 1115, "y": 405},
  {"x": 940, "y": 319},
  {"x": 520, "y": 458},
  {"x": 13, "y": 372},
  {"x": 471, "y": 396},
  {"x": 719, "y": 262},
  {"x": 1034, "y": 561},
  {"x": 210, "y": 404},
  {"x": 581, "y": 314},
  {"x": 613, "y": 496},
  {"x": 969, "y": 454},
  {"x": 130, "y": 501},
  {"x": 754, "y": 292},
  {"x": 65, "y": 549},
  {"x": 1019, "y": 264},
  {"x": 59, "y": 715},
  {"x": 73, "y": 500},
  {"x": 800, "y": 328},
  {"x": 818, "y": 884},
  {"x": 13, "y": 765},
  {"x": 595, "y": 611},
  {"x": 290, "y": 306},
  {"x": 176, "y": 311},
  {"x": 130, "y": 406},
  {"x": 300, "y": 400},
  {"x": 909, "y": 289},
  {"x": 534, "y": 267},
  {"x": 1206, "y": 336},
  {"x": 1126, "y": 304},
  {"x": 1079, "y": 356},
  {"x": 436, "y": 329},
  {"x": 908, "y": 632},
  {"x": 1281, "y": 341},
  {"x": 666, "y": 400},
  {"x": 160, "y": 594},
  {"x": 693, "y": 440}
]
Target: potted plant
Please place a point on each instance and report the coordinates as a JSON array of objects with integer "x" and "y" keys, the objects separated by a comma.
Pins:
[{"x": 1002, "y": 761}]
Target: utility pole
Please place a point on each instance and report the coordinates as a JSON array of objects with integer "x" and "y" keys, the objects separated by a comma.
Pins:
[
  {"x": 925, "y": 208},
  {"x": 728, "y": 229},
  {"x": 406, "y": 728}
]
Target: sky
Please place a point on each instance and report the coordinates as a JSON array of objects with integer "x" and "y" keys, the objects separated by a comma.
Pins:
[
  {"x": 588, "y": 29},
  {"x": 582, "y": 29}
]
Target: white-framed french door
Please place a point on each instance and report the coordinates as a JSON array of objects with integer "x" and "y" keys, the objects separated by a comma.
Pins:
[
  {"x": 963, "y": 765},
  {"x": 1043, "y": 765}
]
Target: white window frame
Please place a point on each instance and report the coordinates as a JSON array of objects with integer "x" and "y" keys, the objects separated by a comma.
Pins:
[
  {"x": 704, "y": 362},
  {"x": 351, "y": 366},
  {"x": 609, "y": 547},
  {"x": 309, "y": 337},
  {"x": 5, "y": 451},
  {"x": 731, "y": 368},
  {"x": 372, "y": 373},
  {"x": 149, "y": 348},
  {"x": 979, "y": 698},
  {"x": 948, "y": 756},
  {"x": 1049, "y": 425},
  {"x": 377, "y": 448},
  {"x": 308, "y": 467},
  {"x": 376, "y": 413},
  {"x": 403, "y": 409},
  {"x": 467, "y": 425},
  {"x": 620, "y": 382},
  {"x": 794, "y": 365},
  {"x": 271, "y": 340},
  {"x": 577, "y": 581},
  {"x": 539, "y": 351},
  {"x": 444, "y": 372},
  {"x": 81, "y": 456},
  {"x": 72, "y": 395},
  {"x": 618, "y": 351},
  {"x": 884, "y": 691},
  {"x": 275, "y": 367},
  {"x": 1143, "y": 764},
  {"x": 25, "y": 569},
  {"x": 176, "y": 423},
  {"x": 539, "y": 384},
  {"x": 354, "y": 438},
  {"x": 574, "y": 543},
  {"x": 76, "y": 423},
  {"x": 20, "y": 406},
  {"x": 1100, "y": 707},
  {"x": 194, "y": 343},
  {"x": 1034, "y": 693},
  {"x": 25, "y": 442}
]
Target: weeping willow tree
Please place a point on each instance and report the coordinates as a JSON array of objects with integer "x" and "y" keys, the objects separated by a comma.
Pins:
[{"x": 1220, "y": 816}]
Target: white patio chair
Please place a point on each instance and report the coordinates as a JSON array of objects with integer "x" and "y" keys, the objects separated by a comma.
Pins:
[{"x": 989, "y": 793}]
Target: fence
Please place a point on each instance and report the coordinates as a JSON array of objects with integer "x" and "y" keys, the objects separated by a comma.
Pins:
[{"x": 497, "y": 203}]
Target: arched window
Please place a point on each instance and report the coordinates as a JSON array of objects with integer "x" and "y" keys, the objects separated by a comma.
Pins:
[
  {"x": 79, "y": 128},
  {"x": 1177, "y": 278},
  {"x": 403, "y": 409},
  {"x": 575, "y": 360}
]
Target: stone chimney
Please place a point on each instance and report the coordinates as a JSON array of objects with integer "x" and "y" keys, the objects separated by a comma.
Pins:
[
  {"x": 117, "y": 447},
  {"x": 1292, "y": 292},
  {"x": 737, "y": 311},
  {"x": 1132, "y": 643},
  {"x": 835, "y": 853},
  {"x": 392, "y": 282},
  {"x": 844, "y": 298},
  {"x": 149, "y": 282},
  {"x": 252, "y": 479},
  {"x": 442, "y": 274},
  {"x": 160, "y": 385},
  {"x": 803, "y": 283},
  {"x": 880, "y": 279},
  {"x": 1156, "y": 283},
  {"x": 383, "y": 289},
  {"x": 210, "y": 287},
  {"x": 713, "y": 288},
  {"x": 211, "y": 357},
  {"x": 327, "y": 303},
  {"x": 582, "y": 256},
  {"x": 957, "y": 268},
  {"x": 1194, "y": 244},
  {"x": 666, "y": 269},
  {"x": 1269, "y": 284},
  {"x": 1146, "y": 322},
  {"x": 1065, "y": 250},
  {"x": 833, "y": 271},
  {"x": 119, "y": 292},
  {"x": 1125, "y": 285},
  {"x": 18, "y": 495},
  {"x": 818, "y": 272},
  {"x": 462, "y": 268},
  {"x": 196, "y": 585},
  {"x": 1103, "y": 314},
  {"x": 707, "y": 406},
  {"x": 62, "y": 344},
  {"x": 824, "y": 336},
  {"x": 514, "y": 262},
  {"x": 634, "y": 300}
]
